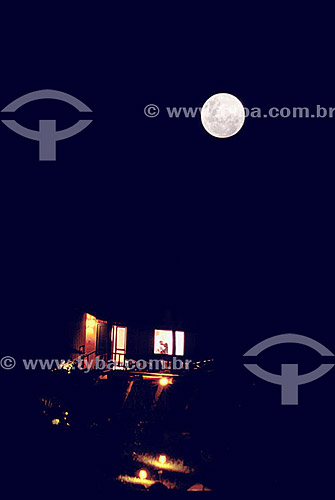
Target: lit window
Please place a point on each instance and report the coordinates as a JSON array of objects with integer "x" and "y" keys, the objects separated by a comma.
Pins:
[
  {"x": 163, "y": 342},
  {"x": 119, "y": 341},
  {"x": 90, "y": 342},
  {"x": 169, "y": 342},
  {"x": 121, "y": 338},
  {"x": 179, "y": 343}
]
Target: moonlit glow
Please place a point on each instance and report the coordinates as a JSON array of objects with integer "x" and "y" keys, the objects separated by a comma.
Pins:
[{"x": 222, "y": 115}]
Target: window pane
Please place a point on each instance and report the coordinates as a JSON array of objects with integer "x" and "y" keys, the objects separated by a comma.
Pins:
[
  {"x": 163, "y": 342},
  {"x": 121, "y": 338},
  {"x": 179, "y": 338}
]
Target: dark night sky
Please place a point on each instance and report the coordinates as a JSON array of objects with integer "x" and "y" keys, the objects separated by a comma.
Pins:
[{"x": 143, "y": 216}]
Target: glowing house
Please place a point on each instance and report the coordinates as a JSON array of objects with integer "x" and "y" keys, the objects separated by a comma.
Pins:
[{"x": 93, "y": 337}]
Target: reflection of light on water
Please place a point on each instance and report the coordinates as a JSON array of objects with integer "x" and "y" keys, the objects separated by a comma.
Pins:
[
  {"x": 160, "y": 463},
  {"x": 146, "y": 482},
  {"x": 135, "y": 480}
]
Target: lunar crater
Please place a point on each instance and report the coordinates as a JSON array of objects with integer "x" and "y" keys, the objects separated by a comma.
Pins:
[{"x": 222, "y": 115}]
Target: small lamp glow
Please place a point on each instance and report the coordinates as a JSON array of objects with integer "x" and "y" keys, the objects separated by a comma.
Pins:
[
  {"x": 162, "y": 459},
  {"x": 143, "y": 474},
  {"x": 163, "y": 381}
]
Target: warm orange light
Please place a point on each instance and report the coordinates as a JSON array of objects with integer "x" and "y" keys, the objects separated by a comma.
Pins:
[
  {"x": 143, "y": 474},
  {"x": 162, "y": 459},
  {"x": 136, "y": 480},
  {"x": 175, "y": 465},
  {"x": 55, "y": 421},
  {"x": 163, "y": 381},
  {"x": 90, "y": 333}
]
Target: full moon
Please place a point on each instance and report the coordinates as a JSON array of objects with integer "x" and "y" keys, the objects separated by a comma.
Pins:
[{"x": 222, "y": 115}]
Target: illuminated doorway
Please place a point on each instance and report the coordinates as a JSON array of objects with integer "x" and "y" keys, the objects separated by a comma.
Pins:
[{"x": 119, "y": 344}]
